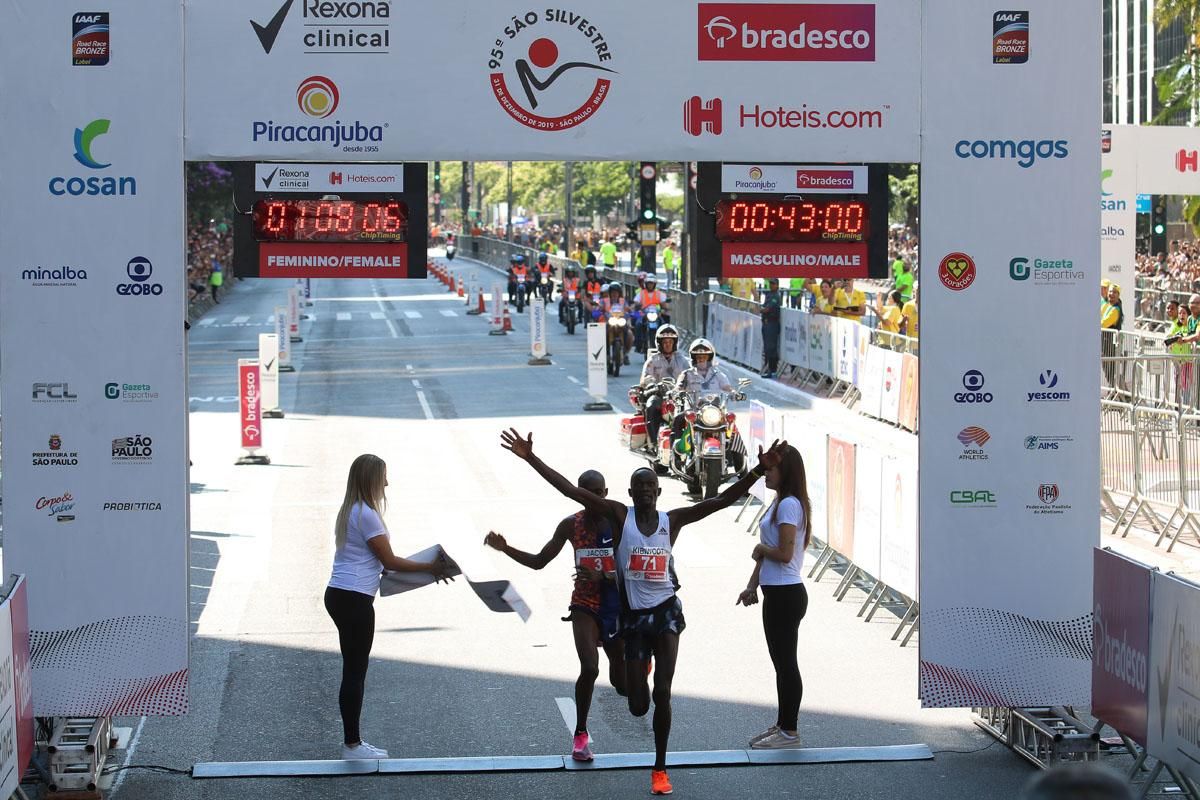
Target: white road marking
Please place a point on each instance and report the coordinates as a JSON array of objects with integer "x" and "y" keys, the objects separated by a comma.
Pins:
[
  {"x": 424, "y": 405},
  {"x": 408, "y": 367},
  {"x": 343, "y": 316},
  {"x": 416, "y": 383},
  {"x": 573, "y": 379},
  {"x": 379, "y": 302},
  {"x": 566, "y": 707},
  {"x": 207, "y": 321},
  {"x": 378, "y": 315},
  {"x": 449, "y": 312},
  {"x": 238, "y": 320},
  {"x": 133, "y": 743},
  {"x": 413, "y": 314}
]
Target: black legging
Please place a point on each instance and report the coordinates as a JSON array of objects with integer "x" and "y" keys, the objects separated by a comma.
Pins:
[
  {"x": 354, "y": 615},
  {"x": 783, "y": 608}
]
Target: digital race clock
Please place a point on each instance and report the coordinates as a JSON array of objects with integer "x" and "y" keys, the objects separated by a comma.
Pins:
[
  {"x": 770, "y": 220},
  {"x": 359, "y": 221}
]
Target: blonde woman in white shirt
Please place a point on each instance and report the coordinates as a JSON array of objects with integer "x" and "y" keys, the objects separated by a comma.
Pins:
[
  {"x": 363, "y": 551},
  {"x": 784, "y": 534}
]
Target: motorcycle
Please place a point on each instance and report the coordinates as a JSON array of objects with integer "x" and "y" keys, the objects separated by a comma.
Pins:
[
  {"x": 545, "y": 288},
  {"x": 648, "y": 325},
  {"x": 616, "y": 342},
  {"x": 702, "y": 455},
  {"x": 522, "y": 289},
  {"x": 634, "y": 430},
  {"x": 573, "y": 311},
  {"x": 450, "y": 251}
]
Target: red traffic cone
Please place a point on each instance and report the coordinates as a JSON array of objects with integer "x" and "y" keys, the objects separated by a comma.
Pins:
[
  {"x": 461, "y": 293},
  {"x": 507, "y": 320}
]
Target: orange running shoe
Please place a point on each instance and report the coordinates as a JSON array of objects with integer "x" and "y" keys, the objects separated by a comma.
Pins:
[{"x": 660, "y": 782}]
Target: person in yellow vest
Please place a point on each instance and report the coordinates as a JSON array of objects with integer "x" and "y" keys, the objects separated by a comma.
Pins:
[
  {"x": 1183, "y": 351},
  {"x": 848, "y": 302},
  {"x": 1111, "y": 319},
  {"x": 910, "y": 327},
  {"x": 215, "y": 280},
  {"x": 890, "y": 318},
  {"x": 822, "y": 296}
]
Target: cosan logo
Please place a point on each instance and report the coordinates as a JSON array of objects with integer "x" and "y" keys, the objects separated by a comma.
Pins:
[
  {"x": 1025, "y": 152},
  {"x": 973, "y": 382},
  {"x": 94, "y": 185},
  {"x": 785, "y": 32},
  {"x": 1048, "y": 379}
]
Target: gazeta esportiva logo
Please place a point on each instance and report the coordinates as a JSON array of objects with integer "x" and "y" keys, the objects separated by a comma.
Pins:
[
  {"x": 318, "y": 97},
  {"x": 89, "y": 155},
  {"x": 550, "y": 71}
]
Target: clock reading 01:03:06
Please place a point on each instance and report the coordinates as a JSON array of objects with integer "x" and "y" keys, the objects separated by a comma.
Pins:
[
  {"x": 384, "y": 221},
  {"x": 792, "y": 221}
]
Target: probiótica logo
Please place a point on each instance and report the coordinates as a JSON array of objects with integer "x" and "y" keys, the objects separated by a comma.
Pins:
[
  {"x": 1045, "y": 271},
  {"x": 318, "y": 96},
  {"x": 1048, "y": 379},
  {"x": 139, "y": 269},
  {"x": 973, "y": 438},
  {"x": 973, "y": 382},
  {"x": 972, "y": 498},
  {"x": 57, "y": 276},
  {"x": 89, "y": 38},
  {"x": 572, "y": 55},
  {"x": 957, "y": 271},
  {"x": 1010, "y": 37},
  {"x": 333, "y": 27},
  {"x": 1026, "y": 152},
  {"x": 107, "y": 186}
]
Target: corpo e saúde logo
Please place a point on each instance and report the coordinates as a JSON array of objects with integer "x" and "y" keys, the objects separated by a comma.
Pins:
[
  {"x": 550, "y": 72},
  {"x": 139, "y": 269},
  {"x": 95, "y": 185},
  {"x": 318, "y": 97},
  {"x": 1025, "y": 152}
]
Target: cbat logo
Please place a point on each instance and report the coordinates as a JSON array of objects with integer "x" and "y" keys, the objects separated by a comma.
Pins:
[
  {"x": 89, "y": 39},
  {"x": 139, "y": 269},
  {"x": 702, "y": 117},
  {"x": 332, "y": 27},
  {"x": 957, "y": 271},
  {"x": 1026, "y": 152},
  {"x": 92, "y": 186},
  {"x": 973, "y": 498},
  {"x": 558, "y": 59},
  {"x": 973, "y": 382},
  {"x": 317, "y": 96},
  {"x": 1187, "y": 161},
  {"x": 1010, "y": 37},
  {"x": 785, "y": 32}
]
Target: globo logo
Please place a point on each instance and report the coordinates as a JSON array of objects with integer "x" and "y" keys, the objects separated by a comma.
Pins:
[
  {"x": 139, "y": 269},
  {"x": 973, "y": 382}
]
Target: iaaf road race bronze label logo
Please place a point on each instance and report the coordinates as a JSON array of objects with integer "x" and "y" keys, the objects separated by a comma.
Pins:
[{"x": 550, "y": 71}]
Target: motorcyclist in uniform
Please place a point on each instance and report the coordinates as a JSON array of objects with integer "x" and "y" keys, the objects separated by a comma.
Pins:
[
  {"x": 616, "y": 302},
  {"x": 519, "y": 274},
  {"x": 665, "y": 363},
  {"x": 570, "y": 284},
  {"x": 646, "y": 297},
  {"x": 702, "y": 378},
  {"x": 544, "y": 268},
  {"x": 513, "y": 261},
  {"x": 593, "y": 292}
]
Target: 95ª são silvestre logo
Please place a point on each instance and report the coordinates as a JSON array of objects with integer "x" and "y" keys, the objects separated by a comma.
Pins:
[{"x": 551, "y": 70}]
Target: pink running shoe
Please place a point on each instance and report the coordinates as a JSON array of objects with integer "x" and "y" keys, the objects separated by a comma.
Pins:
[{"x": 581, "y": 749}]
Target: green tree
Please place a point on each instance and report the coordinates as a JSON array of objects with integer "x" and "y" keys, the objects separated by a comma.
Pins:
[
  {"x": 600, "y": 186},
  {"x": 209, "y": 191},
  {"x": 904, "y": 185}
]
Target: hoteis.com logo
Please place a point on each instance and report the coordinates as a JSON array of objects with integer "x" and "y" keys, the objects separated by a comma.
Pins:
[{"x": 552, "y": 71}]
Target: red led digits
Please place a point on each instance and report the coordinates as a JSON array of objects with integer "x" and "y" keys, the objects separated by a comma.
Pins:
[
  {"x": 276, "y": 214},
  {"x": 330, "y": 221},
  {"x": 791, "y": 221}
]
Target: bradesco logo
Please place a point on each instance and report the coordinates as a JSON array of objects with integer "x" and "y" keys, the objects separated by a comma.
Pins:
[
  {"x": 108, "y": 185},
  {"x": 130, "y": 392},
  {"x": 1025, "y": 152},
  {"x": 1048, "y": 380},
  {"x": 318, "y": 97},
  {"x": 972, "y": 498},
  {"x": 562, "y": 63},
  {"x": 973, "y": 382},
  {"x": 785, "y": 32},
  {"x": 55, "y": 277},
  {"x": 1045, "y": 271},
  {"x": 333, "y": 27},
  {"x": 139, "y": 269},
  {"x": 956, "y": 271}
]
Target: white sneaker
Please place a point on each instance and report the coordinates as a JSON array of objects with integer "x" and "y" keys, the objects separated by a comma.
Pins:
[
  {"x": 768, "y": 732},
  {"x": 777, "y": 741},
  {"x": 362, "y": 752}
]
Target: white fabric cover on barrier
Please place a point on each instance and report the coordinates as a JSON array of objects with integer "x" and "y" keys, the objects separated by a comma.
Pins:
[
  {"x": 793, "y": 346},
  {"x": 820, "y": 344},
  {"x": 93, "y": 356},
  {"x": 898, "y": 520},
  {"x": 846, "y": 332},
  {"x": 871, "y": 383},
  {"x": 868, "y": 466},
  {"x": 1172, "y": 674},
  {"x": 1008, "y": 171},
  {"x": 889, "y": 402},
  {"x": 811, "y": 442}
]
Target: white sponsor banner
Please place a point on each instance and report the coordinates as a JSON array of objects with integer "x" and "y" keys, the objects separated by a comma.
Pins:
[
  {"x": 996, "y": 131},
  {"x": 1118, "y": 205},
  {"x": 293, "y": 313},
  {"x": 868, "y": 467},
  {"x": 812, "y": 442},
  {"x": 871, "y": 383},
  {"x": 268, "y": 359},
  {"x": 1168, "y": 159},
  {"x": 283, "y": 341},
  {"x": 1174, "y": 681},
  {"x": 553, "y": 82},
  {"x": 281, "y": 178},
  {"x": 597, "y": 360},
  {"x": 537, "y": 329},
  {"x": 793, "y": 179},
  {"x": 889, "y": 399},
  {"x": 846, "y": 338},
  {"x": 794, "y": 337},
  {"x": 94, "y": 361},
  {"x": 898, "y": 513},
  {"x": 820, "y": 344}
]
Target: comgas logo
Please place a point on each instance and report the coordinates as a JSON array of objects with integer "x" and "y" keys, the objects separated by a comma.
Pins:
[{"x": 1026, "y": 152}]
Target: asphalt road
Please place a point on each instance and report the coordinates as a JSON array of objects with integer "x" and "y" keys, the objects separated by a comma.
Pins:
[{"x": 396, "y": 368}]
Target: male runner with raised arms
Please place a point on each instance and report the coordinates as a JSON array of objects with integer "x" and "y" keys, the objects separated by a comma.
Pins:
[
  {"x": 595, "y": 605},
  {"x": 651, "y": 616}
]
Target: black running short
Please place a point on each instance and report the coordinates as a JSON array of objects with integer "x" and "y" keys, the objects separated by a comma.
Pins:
[
  {"x": 609, "y": 628},
  {"x": 641, "y": 628}
]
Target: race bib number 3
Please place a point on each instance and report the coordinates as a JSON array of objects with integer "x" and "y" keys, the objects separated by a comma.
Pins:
[
  {"x": 648, "y": 564},
  {"x": 599, "y": 559}
]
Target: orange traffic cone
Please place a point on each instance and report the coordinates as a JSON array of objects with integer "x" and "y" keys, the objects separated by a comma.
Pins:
[
  {"x": 482, "y": 309},
  {"x": 461, "y": 293},
  {"x": 507, "y": 320}
]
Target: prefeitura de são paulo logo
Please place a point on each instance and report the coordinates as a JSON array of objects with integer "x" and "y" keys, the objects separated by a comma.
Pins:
[{"x": 550, "y": 71}]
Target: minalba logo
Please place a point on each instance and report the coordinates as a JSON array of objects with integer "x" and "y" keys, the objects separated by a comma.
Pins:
[
  {"x": 550, "y": 72},
  {"x": 108, "y": 185},
  {"x": 317, "y": 96}
]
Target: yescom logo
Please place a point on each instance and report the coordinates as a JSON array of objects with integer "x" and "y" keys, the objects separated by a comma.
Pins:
[
  {"x": 83, "y": 143},
  {"x": 317, "y": 96}
]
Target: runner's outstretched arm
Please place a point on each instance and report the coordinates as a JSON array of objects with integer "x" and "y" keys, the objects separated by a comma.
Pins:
[
  {"x": 523, "y": 449},
  {"x": 689, "y": 514},
  {"x": 534, "y": 561}
]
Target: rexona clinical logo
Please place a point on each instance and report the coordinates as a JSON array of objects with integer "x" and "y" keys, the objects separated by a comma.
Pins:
[
  {"x": 317, "y": 98},
  {"x": 785, "y": 32},
  {"x": 1025, "y": 152},
  {"x": 1048, "y": 380},
  {"x": 139, "y": 269},
  {"x": 973, "y": 438},
  {"x": 550, "y": 71},
  {"x": 1010, "y": 37},
  {"x": 89, "y": 38},
  {"x": 329, "y": 27},
  {"x": 956, "y": 271},
  {"x": 973, "y": 383},
  {"x": 92, "y": 185},
  {"x": 1045, "y": 271}
]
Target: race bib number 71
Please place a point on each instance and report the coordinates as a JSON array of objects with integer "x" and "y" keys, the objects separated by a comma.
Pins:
[
  {"x": 598, "y": 559},
  {"x": 648, "y": 564}
]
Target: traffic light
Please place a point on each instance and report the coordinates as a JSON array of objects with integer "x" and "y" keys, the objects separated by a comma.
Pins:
[
  {"x": 437, "y": 191},
  {"x": 649, "y": 174},
  {"x": 632, "y": 233},
  {"x": 664, "y": 228},
  {"x": 1158, "y": 225}
]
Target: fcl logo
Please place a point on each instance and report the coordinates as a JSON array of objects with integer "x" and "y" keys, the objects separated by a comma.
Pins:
[{"x": 1048, "y": 493}]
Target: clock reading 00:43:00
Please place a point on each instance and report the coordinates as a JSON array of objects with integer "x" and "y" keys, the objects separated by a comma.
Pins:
[
  {"x": 384, "y": 221},
  {"x": 792, "y": 221}
]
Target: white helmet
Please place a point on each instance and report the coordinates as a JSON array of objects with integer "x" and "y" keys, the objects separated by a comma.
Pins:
[{"x": 702, "y": 347}]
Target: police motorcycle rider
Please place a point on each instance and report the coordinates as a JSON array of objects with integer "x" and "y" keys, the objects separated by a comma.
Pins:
[
  {"x": 518, "y": 280},
  {"x": 647, "y": 297},
  {"x": 700, "y": 379},
  {"x": 616, "y": 302},
  {"x": 513, "y": 261},
  {"x": 544, "y": 270},
  {"x": 571, "y": 283},
  {"x": 593, "y": 292},
  {"x": 665, "y": 363}
]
